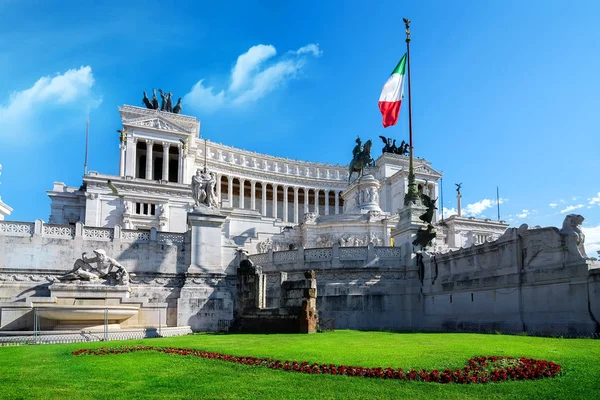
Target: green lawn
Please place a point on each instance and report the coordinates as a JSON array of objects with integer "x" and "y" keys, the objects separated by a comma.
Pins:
[{"x": 50, "y": 371}]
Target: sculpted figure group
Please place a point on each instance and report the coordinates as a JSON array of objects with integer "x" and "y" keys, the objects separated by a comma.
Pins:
[
  {"x": 203, "y": 189},
  {"x": 86, "y": 271},
  {"x": 426, "y": 235},
  {"x": 390, "y": 146},
  {"x": 167, "y": 102}
]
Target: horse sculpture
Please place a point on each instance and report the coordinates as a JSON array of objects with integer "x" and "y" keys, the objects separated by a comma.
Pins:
[{"x": 362, "y": 160}]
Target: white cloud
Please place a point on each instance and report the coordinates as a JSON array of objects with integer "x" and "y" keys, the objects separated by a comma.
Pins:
[
  {"x": 71, "y": 88},
  {"x": 523, "y": 214},
  {"x": 571, "y": 208},
  {"x": 595, "y": 200},
  {"x": 474, "y": 209},
  {"x": 477, "y": 208},
  {"x": 574, "y": 198},
  {"x": 205, "y": 97},
  {"x": 310, "y": 49},
  {"x": 269, "y": 80},
  {"x": 256, "y": 73},
  {"x": 592, "y": 240},
  {"x": 552, "y": 205},
  {"x": 248, "y": 63},
  {"x": 449, "y": 212}
]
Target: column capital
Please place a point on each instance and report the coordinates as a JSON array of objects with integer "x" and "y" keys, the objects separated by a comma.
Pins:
[
  {"x": 253, "y": 182},
  {"x": 296, "y": 188},
  {"x": 149, "y": 142},
  {"x": 230, "y": 178},
  {"x": 166, "y": 145}
]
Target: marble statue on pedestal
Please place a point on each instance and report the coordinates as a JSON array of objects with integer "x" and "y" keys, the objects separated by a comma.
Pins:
[
  {"x": 203, "y": 189},
  {"x": 361, "y": 158},
  {"x": 84, "y": 270}
]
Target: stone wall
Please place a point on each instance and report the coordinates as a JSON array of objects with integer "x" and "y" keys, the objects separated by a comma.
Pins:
[
  {"x": 527, "y": 280},
  {"x": 296, "y": 312},
  {"x": 532, "y": 280},
  {"x": 33, "y": 254},
  {"x": 366, "y": 288}
]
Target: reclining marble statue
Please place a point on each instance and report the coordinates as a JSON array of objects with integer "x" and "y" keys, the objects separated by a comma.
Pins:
[{"x": 84, "y": 270}]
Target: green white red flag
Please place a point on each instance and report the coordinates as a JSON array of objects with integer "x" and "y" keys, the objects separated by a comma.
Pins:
[{"x": 392, "y": 94}]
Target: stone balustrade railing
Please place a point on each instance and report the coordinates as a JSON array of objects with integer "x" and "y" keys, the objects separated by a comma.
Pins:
[
  {"x": 333, "y": 255},
  {"x": 69, "y": 232}
]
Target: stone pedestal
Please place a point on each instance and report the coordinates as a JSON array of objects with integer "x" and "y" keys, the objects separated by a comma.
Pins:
[
  {"x": 205, "y": 298},
  {"x": 206, "y": 241},
  {"x": 362, "y": 196},
  {"x": 406, "y": 230}
]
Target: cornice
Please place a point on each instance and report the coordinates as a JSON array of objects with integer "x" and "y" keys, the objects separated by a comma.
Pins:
[
  {"x": 136, "y": 186},
  {"x": 277, "y": 178},
  {"x": 252, "y": 154}
]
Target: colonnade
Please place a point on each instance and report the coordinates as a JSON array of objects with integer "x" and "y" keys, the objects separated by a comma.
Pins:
[
  {"x": 286, "y": 202},
  {"x": 167, "y": 151},
  {"x": 142, "y": 159}
]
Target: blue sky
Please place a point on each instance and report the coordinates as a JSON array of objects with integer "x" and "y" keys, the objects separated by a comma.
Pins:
[{"x": 504, "y": 93}]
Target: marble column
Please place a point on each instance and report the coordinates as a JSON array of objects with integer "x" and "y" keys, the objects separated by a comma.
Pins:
[
  {"x": 275, "y": 200},
  {"x": 285, "y": 203},
  {"x": 337, "y": 202},
  {"x": 316, "y": 209},
  {"x": 242, "y": 183},
  {"x": 149, "y": 144},
  {"x": 230, "y": 190},
  {"x": 180, "y": 163},
  {"x": 326, "y": 202},
  {"x": 165, "y": 166},
  {"x": 219, "y": 188},
  {"x": 305, "y": 200},
  {"x": 122, "y": 146},
  {"x": 263, "y": 185},
  {"x": 296, "y": 204},
  {"x": 131, "y": 162},
  {"x": 253, "y": 195}
]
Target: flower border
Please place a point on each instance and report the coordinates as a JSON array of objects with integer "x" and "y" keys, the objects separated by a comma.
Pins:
[{"x": 478, "y": 369}]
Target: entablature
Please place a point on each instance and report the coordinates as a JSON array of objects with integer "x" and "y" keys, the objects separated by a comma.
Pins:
[{"x": 272, "y": 177}]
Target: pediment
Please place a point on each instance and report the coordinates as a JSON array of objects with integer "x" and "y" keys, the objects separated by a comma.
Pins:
[
  {"x": 156, "y": 123},
  {"x": 426, "y": 170},
  {"x": 156, "y": 119}
]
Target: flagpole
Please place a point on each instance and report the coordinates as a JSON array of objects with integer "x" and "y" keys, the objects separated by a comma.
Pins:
[
  {"x": 498, "y": 201},
  {"x": 442, "y": 196},
  {"x": 87, "y": 135},
  {"x": 412, "y": 195}
]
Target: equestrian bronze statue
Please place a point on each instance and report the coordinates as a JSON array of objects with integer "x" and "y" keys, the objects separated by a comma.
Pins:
[{"x": 361, "y": 158}]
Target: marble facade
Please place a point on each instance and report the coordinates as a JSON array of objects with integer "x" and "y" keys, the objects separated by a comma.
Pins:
[{"x": 287, "y": 216}]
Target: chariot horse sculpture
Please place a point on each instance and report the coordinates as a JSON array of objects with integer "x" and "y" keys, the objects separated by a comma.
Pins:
[{"x": 361, "y": 160}]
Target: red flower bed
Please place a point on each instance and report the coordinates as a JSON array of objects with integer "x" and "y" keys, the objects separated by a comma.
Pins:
[{"x": 478, "y": 369}]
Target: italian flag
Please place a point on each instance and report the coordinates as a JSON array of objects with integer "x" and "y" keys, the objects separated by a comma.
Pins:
[{"x": 392, "y": 93}]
